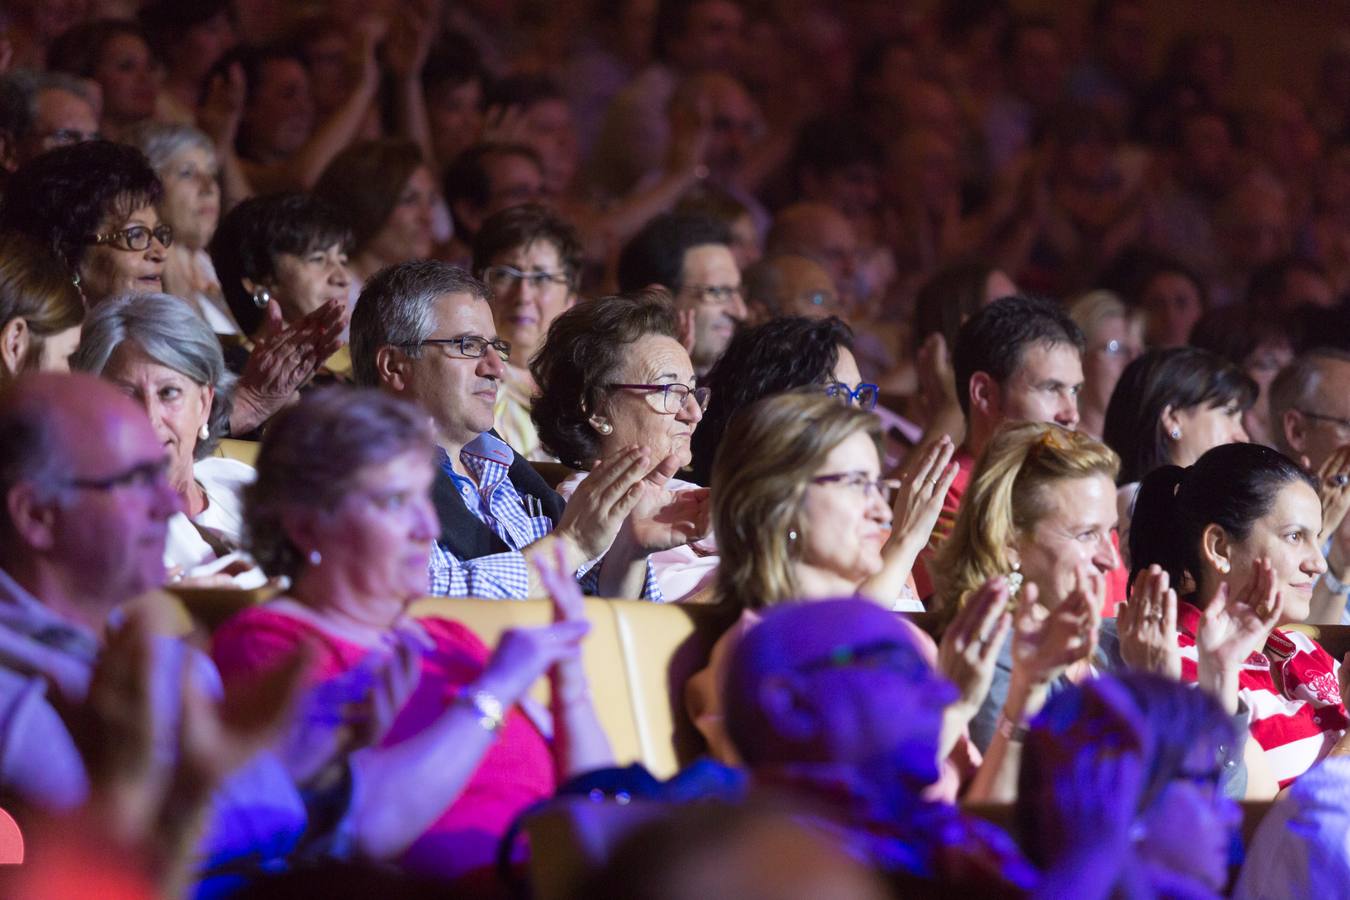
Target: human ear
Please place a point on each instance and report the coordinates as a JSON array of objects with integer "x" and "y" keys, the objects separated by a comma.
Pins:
[
  {"x": 15, "y": 339},
  {"x": 1216, "y": 549},
  {"x": 1170, "y": 422},
  {"x": 32, "y": 520},
  {"x": 392, "y": 368},
  {"x": 1295, "y": 431},
  {"x": 984, "y": 395}
]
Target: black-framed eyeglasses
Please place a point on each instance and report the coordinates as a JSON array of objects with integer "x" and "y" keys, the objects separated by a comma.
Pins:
[
  {"x": 865, "y": 394},
  {"x": 863, "y": 483},
  {"x": 144, "y": 476},
  {"x": 136, "y": 238},
  {"x": 1342, "y": 424},
  {"x": 471, "y": 346},
  {"x": 893, "y": 656},
  {"x": 714, "y": 294},
  {"x": 500, "y": 278},
  {"x": 673, "y": 396}
]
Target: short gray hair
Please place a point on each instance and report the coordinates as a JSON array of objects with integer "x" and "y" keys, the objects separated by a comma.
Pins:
[
  {"x": 19, "y": 91},
  {"x": 173, "y": 335},
  {"x": 395, "y": 309},
  {"x": 162, "y": 141},
  {"x": 1295, "y": 386}
]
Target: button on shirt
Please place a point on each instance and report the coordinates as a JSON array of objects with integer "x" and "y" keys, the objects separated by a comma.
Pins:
[{"x": 495, "y": 502}]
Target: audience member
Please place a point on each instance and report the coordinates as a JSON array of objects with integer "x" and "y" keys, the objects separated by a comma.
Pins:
[
  {"x": 1114, "y": 336},
  {"x": 689, "y": 256},
  {"x": 1238, "y": 531},
  {"x": 157, "y": 351},
  {"x": 114, "y": 54},
  {"x": 530, "y": 259},
  {"x": 40, "y": 309},
  {"x": 1169, "y": 408},
  {"x": 40, "y": 111},
  {"x": 342, "y": 508},
  {"x": 94, "y": 204},
  {"x": 612, "y": 375},
  {"x": 185, "y": 161},
  {"x": 1159, "y": 750},
  {"x": 188, "y": 39},
  {"x": 388, "y": 195},
  {"x": 424, "y": 331},
  {"x": 486, "y": 179},
  {"x": 788, "y": 284}
]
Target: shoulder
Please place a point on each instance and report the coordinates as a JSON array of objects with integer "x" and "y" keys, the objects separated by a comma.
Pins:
[{"x": 222, "y": 472}]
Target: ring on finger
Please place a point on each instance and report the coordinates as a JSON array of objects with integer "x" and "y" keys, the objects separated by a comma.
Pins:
[{"x": 1340, "y": 479}]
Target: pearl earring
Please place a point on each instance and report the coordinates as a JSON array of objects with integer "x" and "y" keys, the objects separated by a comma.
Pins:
[
  {"x": 604, "y": 428},
  {"x": 204, "y": 433},
  {"x": 315, "y": 558},
  {"x": 1175, "y": 434},
  {"x": 261, "y": 297},
  {"x": 1223, "y": 566},
  {"x": 792, "y": 535}
]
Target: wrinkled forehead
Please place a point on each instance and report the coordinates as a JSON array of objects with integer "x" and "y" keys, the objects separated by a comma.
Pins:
[{"x": 104, "y": 437}]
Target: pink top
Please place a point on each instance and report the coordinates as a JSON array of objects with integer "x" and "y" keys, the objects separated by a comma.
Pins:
[{"x": 517, "y": 770}]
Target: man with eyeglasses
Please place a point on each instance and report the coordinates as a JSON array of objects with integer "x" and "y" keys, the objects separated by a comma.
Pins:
[
  {"x": 1310, "y": 422},
  {"x": 423, "y": 330},
  {"x": 530, "y": 260},
  {"x": 834, "y": 703},
  {"x": 43, "y": 110},
  {"x": 689, "y": 255}
]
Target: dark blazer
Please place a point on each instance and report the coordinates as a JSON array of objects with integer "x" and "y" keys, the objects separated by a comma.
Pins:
[{"x": 461, "y": 531}]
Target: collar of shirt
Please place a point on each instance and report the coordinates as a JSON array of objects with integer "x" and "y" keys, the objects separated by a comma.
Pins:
[
  {"x": 491, "y": 497},
  {"x": 487, "y": 458},
  {"x": 24, "y": 614}
]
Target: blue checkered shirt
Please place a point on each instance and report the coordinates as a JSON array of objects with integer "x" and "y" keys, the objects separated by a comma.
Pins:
[{"x": 494, "y": 501}]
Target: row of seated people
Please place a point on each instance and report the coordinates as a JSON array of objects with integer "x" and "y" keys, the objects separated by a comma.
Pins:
[{"x": 342, "y": 506}]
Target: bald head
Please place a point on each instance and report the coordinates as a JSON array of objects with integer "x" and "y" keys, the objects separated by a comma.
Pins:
[
  {"x": 790, "y": 285},
  {"x": 85, "y": 501},
  {"x": 823, "y": 233},
  {"x": 835, "y": 681}
]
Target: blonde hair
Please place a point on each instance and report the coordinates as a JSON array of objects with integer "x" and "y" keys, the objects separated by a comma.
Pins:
[
  {"x": 769, "y": 454},
  {"x": 1093, "y": 309},
  {"x": 1006, "y": 497}
]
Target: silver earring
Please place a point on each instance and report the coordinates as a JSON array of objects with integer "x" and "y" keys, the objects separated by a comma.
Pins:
[
  {"x": 261, "y": 297},
  {"x": 1175, "y": 434},
  {"x": 204, "y": 433},
  {"x": 1014, "y": 579},
  {"x": 792, "y": 535},
  {"x": 315, "y": 558}
]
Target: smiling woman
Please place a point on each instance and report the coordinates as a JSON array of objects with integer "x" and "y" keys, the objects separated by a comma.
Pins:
[
  {"x": 94, "y": 204},
  {"x": 161, "y": 354}
]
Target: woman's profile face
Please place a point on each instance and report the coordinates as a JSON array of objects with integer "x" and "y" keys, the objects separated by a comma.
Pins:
[
  {"x": 1287, "y": 536},
  {"x": 191, "y": 202},
  {"x": 1202, "y": 428},
  {"x": 380, "y": 535},
  {"x": 406, "y": 234},
  {"x": 177, "y": 406},
  {"x": 845, "y": 517},
  {"x": 111, "y": 268},
  {"x": 639, "y": 415},
  {"x": 1073, "y": 535}
]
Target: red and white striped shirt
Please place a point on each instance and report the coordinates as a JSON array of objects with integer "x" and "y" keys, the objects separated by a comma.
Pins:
[{"x": 1292, "y": 689}]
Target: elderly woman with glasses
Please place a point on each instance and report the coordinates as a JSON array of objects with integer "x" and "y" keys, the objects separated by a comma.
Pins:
[
  {"x": 530, "y": 260},
  {"x": 164, "y": 356},
  {"x": 802, "y": 513},
  {"x": 94, "y": 204},
  {"x": 613, "y": 375},
  {"x": 187, "y": 164}
]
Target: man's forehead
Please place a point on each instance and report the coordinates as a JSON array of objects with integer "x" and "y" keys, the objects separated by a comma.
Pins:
[
  {"x": 1046, "y": 360},
  {"x": 462, "y": 312}
]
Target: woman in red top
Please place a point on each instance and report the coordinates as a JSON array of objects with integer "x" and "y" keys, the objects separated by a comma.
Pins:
[
  {"x": 342, "y": 507},
  {"x": 1239, "y": 532}
]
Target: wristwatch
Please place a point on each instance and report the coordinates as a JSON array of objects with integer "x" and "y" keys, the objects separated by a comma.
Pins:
[
  {"x": 1334, "y": 584},
  {"x": 491, "y": 714},
  {"x": 1011, "y": 730}
]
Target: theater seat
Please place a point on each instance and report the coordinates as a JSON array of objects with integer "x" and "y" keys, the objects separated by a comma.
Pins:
[
  {"x": 244, "y": 451},
  {"x": 637, "y": 656},
  {"x": 1335, "y": 639}
]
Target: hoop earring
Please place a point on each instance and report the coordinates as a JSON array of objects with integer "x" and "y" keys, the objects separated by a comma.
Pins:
[{"x": 261, "y": 297}]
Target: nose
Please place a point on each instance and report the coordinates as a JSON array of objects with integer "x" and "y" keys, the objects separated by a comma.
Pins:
[
  {"x": 736, "y": 309},
  {"x": 1317, "y": 563},
  {"x": 1240, "y": 435},
  {"x": 491, "y": 365},
  {"x": 165, "y": 502},
  {"x": 690, "y": 412},
  {"x": 1067, "y": 416},
  {"x": 341, "y": 276},
  {"x": 1106, "y": 559},
  {"x": 426, "y": 524}
]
